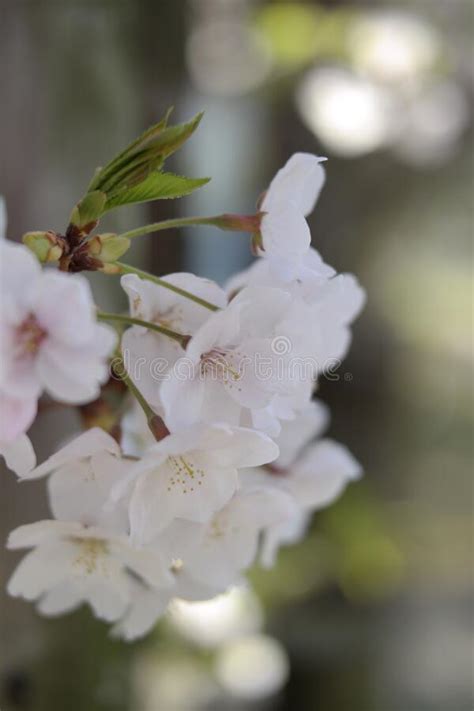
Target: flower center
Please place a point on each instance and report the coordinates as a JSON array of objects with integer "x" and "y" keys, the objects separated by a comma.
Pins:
[
  {"x": 92, "y": 555},
  {"x": 185, "y": 474},
  {"x": 30, "y": 335},
  {"x": 222, "y": 364},
  {"x": 171, "y": 318}
]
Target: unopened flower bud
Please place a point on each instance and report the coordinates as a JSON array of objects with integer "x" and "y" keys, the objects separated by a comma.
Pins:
[
  {"x": 108, "y": 247},
  {"x": 110, "y": 268},
  {"x": 47, "y": 246}
]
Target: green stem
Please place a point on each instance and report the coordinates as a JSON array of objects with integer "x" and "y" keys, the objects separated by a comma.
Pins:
[
  {"x": 226, "y": 221},
  {"x": 121, "y": 371},
  {"x": 169, "y": 224},
  {"x": 126, "y": 269},
  {"x": 180, "y": 337}
]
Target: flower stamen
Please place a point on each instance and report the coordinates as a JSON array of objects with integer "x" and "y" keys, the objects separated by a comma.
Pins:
[{"x": 30, "y": 335}]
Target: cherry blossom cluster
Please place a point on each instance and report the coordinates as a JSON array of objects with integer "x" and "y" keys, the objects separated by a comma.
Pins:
[{"x": 218, "y": 457}]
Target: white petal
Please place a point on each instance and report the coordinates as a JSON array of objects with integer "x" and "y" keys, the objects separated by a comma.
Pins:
[
  {"x": 299, "y": 181},
  {"x": 90, "y": 442},
  {"x": 19, "y": 270},
  {"x": 79, "y": 491},
  {"x": 141, "y": 295},
  {"x": 145, "y": 610},
  {"x": 109, "y": 600},
  {"x": 285, "y": 233},
  {"x": 34, "y": 534},
  {"x": 188, "y": 588},
  {"x": 59, "y": 600},
  {"x": 295, "y": 434},
  {"x": 64, "y": 307},
  {"x": 3, "y": 218},
  {"x": 136, "y": 435},
  {"x": 71, "y": 374},
  {"x": 19, "y": 379},
  {"x": 231, "y": 540},
  {"x": 344, "y": 297},
  {"x": 182, "y": 399},
  {"x": 266, "y": 421},
  {"x": 41, "y": 569},
  {"x": 16, "y": 416},
  {"x": 148, "y": 358},
  {"x": 260, "y": 506},
  {"x": 284, "y": 533},
  {"x": 178, "y": 540},
  {"x": 194, "y": 315},
  {"x": 152, "y": 302},
  {"x": 250, "y": 373},
  {"x": 218, "y": 404},
  {"x": 261, "y": 308},
  {"x": 237, "y": 446},
  {"x": 146, "y": 563},
  {"x": 321, "y": 475},
  {"x": 314, "y": 267},
  {"x": 220, "y": 560},
  {"x": 19, "y": 455},
  {"x": 220, "y": 445}
]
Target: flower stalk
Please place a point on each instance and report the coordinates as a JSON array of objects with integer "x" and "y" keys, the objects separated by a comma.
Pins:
[
  {"x": 120, "y": 371},
  {"x": 229, "y": 222},
  {"x": 181, "y": 338}
]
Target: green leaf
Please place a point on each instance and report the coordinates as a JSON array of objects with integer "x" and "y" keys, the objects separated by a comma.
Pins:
[
  {"x": 157, "y": 186},
  {"x": 173, "y": 137},
  {"x": 134, "y": 172},
  {"x": 101, "y": 174},
  {"x": 145, "y": 154}
]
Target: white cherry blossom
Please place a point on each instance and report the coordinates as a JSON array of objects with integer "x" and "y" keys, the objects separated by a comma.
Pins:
[
  {"x": 71, "y": 564},
  {"x": 149, "y": 355},
  {"x": 190, "y": 475},
  {"x": 226, "y": 546},
  {"x": 326, "y": 304},
  {"x": 81, "y": 477},
  {"x": 233, "y": 365},
  {"x": 320, "y": 474},
  {"x": 49, "y": 339},
  {"x": 315, "y": 481},
  {"x": 144, "y": 522}
]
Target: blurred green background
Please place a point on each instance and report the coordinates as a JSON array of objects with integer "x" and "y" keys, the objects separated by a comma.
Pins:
[{"x": 373, "y": 611}]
